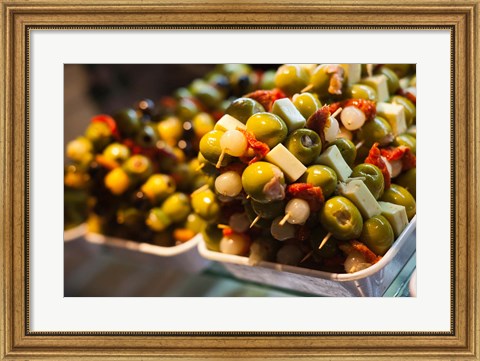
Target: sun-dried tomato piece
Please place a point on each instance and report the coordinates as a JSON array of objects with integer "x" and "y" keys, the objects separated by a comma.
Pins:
[
  {"x": 266, "y": 97},
  {"x": 336, "y": 80},
  {"x": 318, "y": 121},
  {"x": 227, "y": 231},
  {"x": 402, "y": 153},
  {"x": 375, "y": 157},
  {"x": 260, "y": 149},
  {"x": 360, "y": 247},
  {"x": 313, "y": 195}
]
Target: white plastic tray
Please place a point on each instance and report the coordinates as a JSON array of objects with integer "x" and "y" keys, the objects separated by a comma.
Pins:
[
  {"x": 184, "y": 257},
  {"x": 75, "y": 233},
  {"x": 370, "y": 282}
]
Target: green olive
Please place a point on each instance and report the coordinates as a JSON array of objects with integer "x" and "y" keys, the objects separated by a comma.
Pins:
[
  {"x": 306, "y": 103},
  {"x": 406, "y": 140},
  {"x": 210, "y": 148},
  {"x": 131, "y": 217},
  {"x": 170, "y": 130},
  {"x": 400, "y": 70},
  {"x": 321, "y": 176},
  {"x": 204, "y": 203},
  {"x": 158, "y": 187},
  {"x": 128, "y": 122},
  {"x": 99, "y": 134},
  {"x": 346, "y": 148},
  {"x": 138, "y": 167},
  {"x": 212, "y": 236},
  {"x": 408, "y": 180},
  {"x": 264, "y": 182},
  {"x": 147, "y": 136},
  {"x": 372, "y": 177},
  {"x": 243, "y": 83},
  {"x": 157, "y": 220},
  {"x": 398, "y": 195},
  {"x": 116, "y": 152},
  {"x": 376, "y": 130},
  {"x": 305, "y": 145},
  {"x": 117, "y": 181},
  {"x": 362, "y": 91},
  {"x": 342, "y": 218},
  {"x": 80, "y": 150},
  {"x": 269, "y": 210},
  {"x": 291, "y": 78},
  {"x": 177, "y": 207},
  {"x": 202, "y": 124},
  {"x": 268, "y": 128},
  {"x": 392, "y": 79},
  {"x": 243, "y": 108},
  {"x": 408, "y": 106},
  {"x": 267, "y": 82},
  {"x": 263, "y": 223},
  {"x": 234, "y": 68},
  {"x": 377, "y": 234},
  {"x": 206, "y": 93},
  {"x": 186, "y": 108},
  {"x": 195, "y": 223}
]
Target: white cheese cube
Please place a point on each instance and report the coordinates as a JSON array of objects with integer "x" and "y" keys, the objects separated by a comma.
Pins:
[
  {"x": 286, "y": 110},
  {"x": 395, "y": 115},
  {"x": 227, "y": 122},
  {"x": 360, "y": 195},
  {"x": 396, "y": 216},
  {"x": 352, "y": 73},
  {"x": 333, "y": 159},
  {"x": 287, "y": 162},
  {"x": 379, "y": 83}
]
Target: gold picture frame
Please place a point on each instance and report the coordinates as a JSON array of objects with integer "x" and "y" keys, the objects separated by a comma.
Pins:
[{"x": 18, "y": 342}]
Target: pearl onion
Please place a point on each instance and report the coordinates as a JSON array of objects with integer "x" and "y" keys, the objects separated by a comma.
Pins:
[
  {"x": 355, "y": 262},
  {"x": 234, "y": 143},
  {"x": 352, "y": 118},
  {"x": 239, "y": 222},
  {"x": 345, "y": 133},
  {"x": 236, "y": 243},
  {"x": 331, "y": 130},
  {"x": 299, "y": 211},
  {"x": 282, "y": 233},
  {"x": 396, "y": 167},
  {"x": 229, "y": 184},
  {"x": 389, "y": 166}
]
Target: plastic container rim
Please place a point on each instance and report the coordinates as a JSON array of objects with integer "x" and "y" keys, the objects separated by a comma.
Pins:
[
  {"x": 98, "y": 238},
  {"x": 341, "y": 277}
]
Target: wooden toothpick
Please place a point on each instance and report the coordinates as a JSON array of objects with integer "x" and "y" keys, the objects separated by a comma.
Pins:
[
  {"x": 257, "y": 218},
  {"x": 284, "y": 219},
  {"x": 336, "y": 112},
  {"x": 201, "y": 189},
  {"x": 220, "y": 159},
  {"x": 359, "y": 144},
  {"x": 325, "y": 239}
]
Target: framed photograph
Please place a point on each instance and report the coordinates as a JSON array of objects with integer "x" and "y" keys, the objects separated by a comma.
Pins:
[{"x": 41, "y": 40}]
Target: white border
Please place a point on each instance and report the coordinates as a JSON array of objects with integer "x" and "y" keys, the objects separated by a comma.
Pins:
[{"x": 430, "y": 311}]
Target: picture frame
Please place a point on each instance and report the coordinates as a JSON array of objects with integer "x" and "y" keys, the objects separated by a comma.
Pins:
[{"x": 18, "y": 342}]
